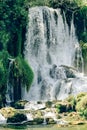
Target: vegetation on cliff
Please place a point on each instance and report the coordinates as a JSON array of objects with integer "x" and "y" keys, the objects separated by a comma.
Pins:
[{"x": 13, "y": 21}]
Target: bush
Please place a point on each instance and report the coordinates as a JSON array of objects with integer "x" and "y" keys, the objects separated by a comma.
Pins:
[{"x": 61, "y": 108}]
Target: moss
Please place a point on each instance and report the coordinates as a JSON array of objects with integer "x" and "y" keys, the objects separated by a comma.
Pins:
[
  {"x": 8, "y": 111},
  {"x": 25, "y": 72},
  {"x": 72, "y": 101},
  {"x": 81, "y": 107},
  {"x": 20, "y": 75},
  {"x": 80, "y": 96}
]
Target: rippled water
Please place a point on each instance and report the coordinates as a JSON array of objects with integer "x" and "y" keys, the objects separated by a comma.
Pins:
[{"x": 50, "y": 127}]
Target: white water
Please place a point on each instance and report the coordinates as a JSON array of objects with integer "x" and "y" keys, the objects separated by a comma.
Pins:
[
  {"x": 9, "y": 92},
  {"x": 2, "y": 119},
  {"x": 50, "y": 44}
]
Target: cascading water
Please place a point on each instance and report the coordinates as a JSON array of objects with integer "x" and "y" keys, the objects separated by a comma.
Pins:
[
  {"x": 51, "y": 49},
  {"x": 10, "y": 91}
]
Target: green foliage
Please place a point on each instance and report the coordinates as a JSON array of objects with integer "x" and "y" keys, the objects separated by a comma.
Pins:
[
  {"x": 61, "y": 108},
  {"x": 71, "y": 99},
  {"x": 81, "y": 106},
  {"x": 81, "y": 24},
  {"x": 80, "y": 96},
  {"x": 3, "y": 75},
  {"x": 39, "y": 3},
  {"x": 13, "y": 21},
  {"x": 84, "y": 48},
  {"x": 17, "y": 118},
  {"x": 23, "y": 72},
  {"x": 80, "y": 2}
]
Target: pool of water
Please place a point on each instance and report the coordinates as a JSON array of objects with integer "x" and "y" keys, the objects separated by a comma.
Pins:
[{"x": 42, "y": 127}]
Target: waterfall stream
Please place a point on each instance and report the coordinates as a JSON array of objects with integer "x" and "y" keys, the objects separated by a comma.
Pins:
[
  {"x": 54, "y": 54},
  {"x": 10, "y": 91}
]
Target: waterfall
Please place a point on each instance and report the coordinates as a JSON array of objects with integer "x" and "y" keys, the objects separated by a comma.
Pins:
[
  {"x": 53, "y": 52},
  {"x": 10, "y": 91}
]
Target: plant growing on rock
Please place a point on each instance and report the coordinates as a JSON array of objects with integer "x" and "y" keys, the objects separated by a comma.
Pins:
[
  {"x": 21, "y": 75},
  {"x": 71, "y": 99},
  {"x": 81, "y": 106}
]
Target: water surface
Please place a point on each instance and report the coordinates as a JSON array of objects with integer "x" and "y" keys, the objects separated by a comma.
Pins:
[{"x": 50, "y": 127}]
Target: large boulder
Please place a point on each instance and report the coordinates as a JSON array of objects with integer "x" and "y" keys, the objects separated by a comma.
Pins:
[{"x": 17, "y": 118}]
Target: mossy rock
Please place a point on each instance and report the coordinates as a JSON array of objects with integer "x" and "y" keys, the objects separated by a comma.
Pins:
[
  {"x": 81, "y": 107},
  {"x": 49, "y": 104},
  {"x": 82, "y": 104},
  {"x": 50, "y": 121},
  {"x": 72, "y": 103},
  {"x": 8, "y": 112},
  {"x": 38, "y": 114},
  {"x": 80, "y": 96},
  {"x": 17, "y": 118},
  {"x": 20, "y": 104}
]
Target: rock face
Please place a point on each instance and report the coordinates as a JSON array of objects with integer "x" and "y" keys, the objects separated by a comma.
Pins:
[{"x": 63, "y": 72}]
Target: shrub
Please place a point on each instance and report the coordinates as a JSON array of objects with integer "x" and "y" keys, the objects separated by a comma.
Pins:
[{"x": 61, "y": 108}]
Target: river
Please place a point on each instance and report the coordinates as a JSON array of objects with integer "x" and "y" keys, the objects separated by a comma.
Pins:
[{"x": 49, "y": 127}]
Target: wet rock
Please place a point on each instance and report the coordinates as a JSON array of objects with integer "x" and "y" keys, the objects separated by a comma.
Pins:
[
  {"x": 17, "y": 118},
  {"x": 20, "y": 104},
  {"x": 50, "y": 121}
]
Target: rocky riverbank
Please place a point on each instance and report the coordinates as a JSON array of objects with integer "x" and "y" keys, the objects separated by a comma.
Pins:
[{"x": 71, "y": 111}]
